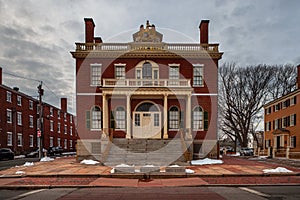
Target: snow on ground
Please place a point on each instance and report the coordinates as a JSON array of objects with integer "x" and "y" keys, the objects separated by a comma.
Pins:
[
  {"x": 20, "y": 156},
  {"x": 148, "y": 166},
  {"x": 206, "y": 161},
  {"x": 277, "y": 170},
  {"x": 124, "y": 165},
  {"x": 174, "y": 166},
  {"x": 46, "y": 159},
  {"x": 189, "y": 171},
  {"x": 27, "y": 164},
  {"x": 89, "y": 162},
  {"x": 112, "y": 171},
  {"x": 20, "y": 172}
]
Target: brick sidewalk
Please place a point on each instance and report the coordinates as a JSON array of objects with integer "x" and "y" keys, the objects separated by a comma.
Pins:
[{"x": 67, "y": 172}]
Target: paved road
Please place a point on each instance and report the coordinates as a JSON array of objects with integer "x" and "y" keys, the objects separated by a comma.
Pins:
[
  {"x": 5, "y": 164},
  {"x": 174, "y": 193}
]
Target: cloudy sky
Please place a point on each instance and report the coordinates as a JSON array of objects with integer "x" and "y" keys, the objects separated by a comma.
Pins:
[{"x": 36, "y": 37}]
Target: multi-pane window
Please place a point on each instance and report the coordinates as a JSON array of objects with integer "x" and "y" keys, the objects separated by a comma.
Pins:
[
  {"x": 19, "y": 100},
  {"x": 268, "y": 111},
  {"x": 51, "y": 111},
  {"x": 138, "y": 74},
  {"x": 197, "y": 118},
  {"x": 65, "y": 143},
  {"x": 71, "y": 130},
  {"x": 20, "y": 139},
  {"x": 198, "y": 75},
  {"x": 8, "y": 96},
  {"x": 120, "y": 71},
  {"x": 147, "y": 70},
  {"x": 30, "y": 105},
  {"x": 30, "y": 121},
  {"x": 286, "y": 121},
  {"x": 66, "y": 129},
  {"x": 293, "y": 120},
  {"x": 51, "y": 125},
  {"x": 156, "y": 119},
  {"x": 71, "y": 119},
  {"x": 96, "y": 74},
  {"x": 96, "y": 118},
  {"x": 58, "y": 127},
  {"x": 8, "y": 116},
  {"x": 174, "y": 118},
  {"x": 19, "y": 118},
  {"x": 30, "y": 140},
  {"x": 51, "y": 142},
  {"x": 293, "y": 141},
  {"x": 174, "y": 72},
  {"x": 137, "y": 119},
  {"x": 71, "y": 144},
  {"x": 120, "y": 118},
  {"x": 58, "y": 142},
  {"x": 9, "y": 138},
  {"x": 268, "y": 126},
  {"x": 294, "y": 100},
  {"x": 65, "y": 116},
  {"x": 268, "y": 143}
]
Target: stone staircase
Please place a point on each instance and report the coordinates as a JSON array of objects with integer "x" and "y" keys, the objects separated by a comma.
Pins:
[{"x": 140, "y": 152}]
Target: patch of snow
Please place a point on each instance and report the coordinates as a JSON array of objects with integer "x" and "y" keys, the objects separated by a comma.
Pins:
[
  {"x": 112, "y": 171},
  {"x": 27, "y": 164},
  {"x": 148, "y": 166},
  {"x": 236, "y": 154},
  {"x": 277, "y": 170},
  {"x": 124, "y": 165},
  {"x": 137, "y": 170},
  {"x": 163, "y": 171},
  {"x": 189, "y": 171},
  {"x": 20, "y": 172},
  {"x": 174, "y": 166},
  {"x": 89, "y": 162},
  {"x": 20, "y": 156},
  {"x": 46, "y": 159},
  {"x": 206, "y": 161}
]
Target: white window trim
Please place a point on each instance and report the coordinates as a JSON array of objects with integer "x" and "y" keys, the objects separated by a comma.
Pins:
[
  {"x": 8, "y": 100},
  {"x": 59, "y": 143},
  {"x": 51, "y": 140},
  {"x": 120, "y": 65},
  {"x": 19, "y": 114},
  {"x": 9, "y": 144},
  {"x": 30, "y": 105},
  {"x": 51, "y": 111},
  {"x": 51, "y": 126},
  {"x": 65, "y": 129},
  {"x": 58, "y": 127},
  {"x": 11, "y": 115},
  {"x": 19, "y": 98},
  {"x": 202, "y": 68},
  {"x": 30, "y": 125},
  {"x": 91, "y": 74},
  {"x": 65, "y": 143},
  {"x": 20, "y": 134},
  {"x": 30, "y": 139}
]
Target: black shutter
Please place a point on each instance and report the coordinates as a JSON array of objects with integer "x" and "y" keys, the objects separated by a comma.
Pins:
[
  {"x": 182, "y": 119},
  {"x": 295, "y": 141},
  {"x": 112, "y": 120},
  {"x": 205, "y": 120},
  {"x": 88, "y": 119}
]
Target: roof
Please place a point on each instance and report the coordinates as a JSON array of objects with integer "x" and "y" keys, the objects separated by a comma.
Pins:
[{"x": 295, "y": 92}]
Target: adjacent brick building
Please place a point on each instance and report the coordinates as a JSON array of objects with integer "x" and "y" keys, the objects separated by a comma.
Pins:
[
  {"x": 147, "y": 88},
  {"x": 19, "y": 116},
  {"x": 282, "y": 125}
]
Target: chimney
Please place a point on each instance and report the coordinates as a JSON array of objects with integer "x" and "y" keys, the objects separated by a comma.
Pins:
[
  {"x": 204, "y": 31},
  {"x": 0, "y": 75},
  {"x": 89, "y": 30},
  {"x": 98, "y": 40},
  {"x": 63, "y": 104},
  {"x": 298, "y": 76}
]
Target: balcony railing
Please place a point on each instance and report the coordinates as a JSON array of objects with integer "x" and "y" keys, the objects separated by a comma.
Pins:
[
  {"x": 146, "y": 83},
  {"x": 123, "y": 47}
]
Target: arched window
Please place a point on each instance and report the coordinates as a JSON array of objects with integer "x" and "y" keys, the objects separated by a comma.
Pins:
[
  {"x": 96, "y": 118},
  {"x": 174, "y": 118},
  {"x": 147, "y": 70},
  {"x": 198, "y": 118},
  {"x": 120, "y": 117}
]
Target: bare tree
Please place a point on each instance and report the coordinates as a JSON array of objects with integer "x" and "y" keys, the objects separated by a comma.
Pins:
[{"x": 244, "y": 91}]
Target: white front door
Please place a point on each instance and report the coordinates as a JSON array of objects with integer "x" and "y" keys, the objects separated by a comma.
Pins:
[{"x": 147, "y": 125}]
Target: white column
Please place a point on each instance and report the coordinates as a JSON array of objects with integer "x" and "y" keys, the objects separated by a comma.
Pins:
[
  {"x": 104, "y": 114},
  {"x": 188, "y": 114},
  {"x": 128, "y": 117},
  {"x": 165, "y": 136}
]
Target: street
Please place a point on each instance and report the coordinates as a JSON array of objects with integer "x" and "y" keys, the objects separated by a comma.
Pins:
[
  {"x": 5, "y": 164},
  {"x": 245, "y": 193}
]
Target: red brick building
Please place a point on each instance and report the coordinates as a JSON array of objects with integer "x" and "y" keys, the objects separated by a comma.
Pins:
[
  {"x": 19, "y": 117},
  {"x": 282, "y": 125},
  {"x": 147, "y": 88}
]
